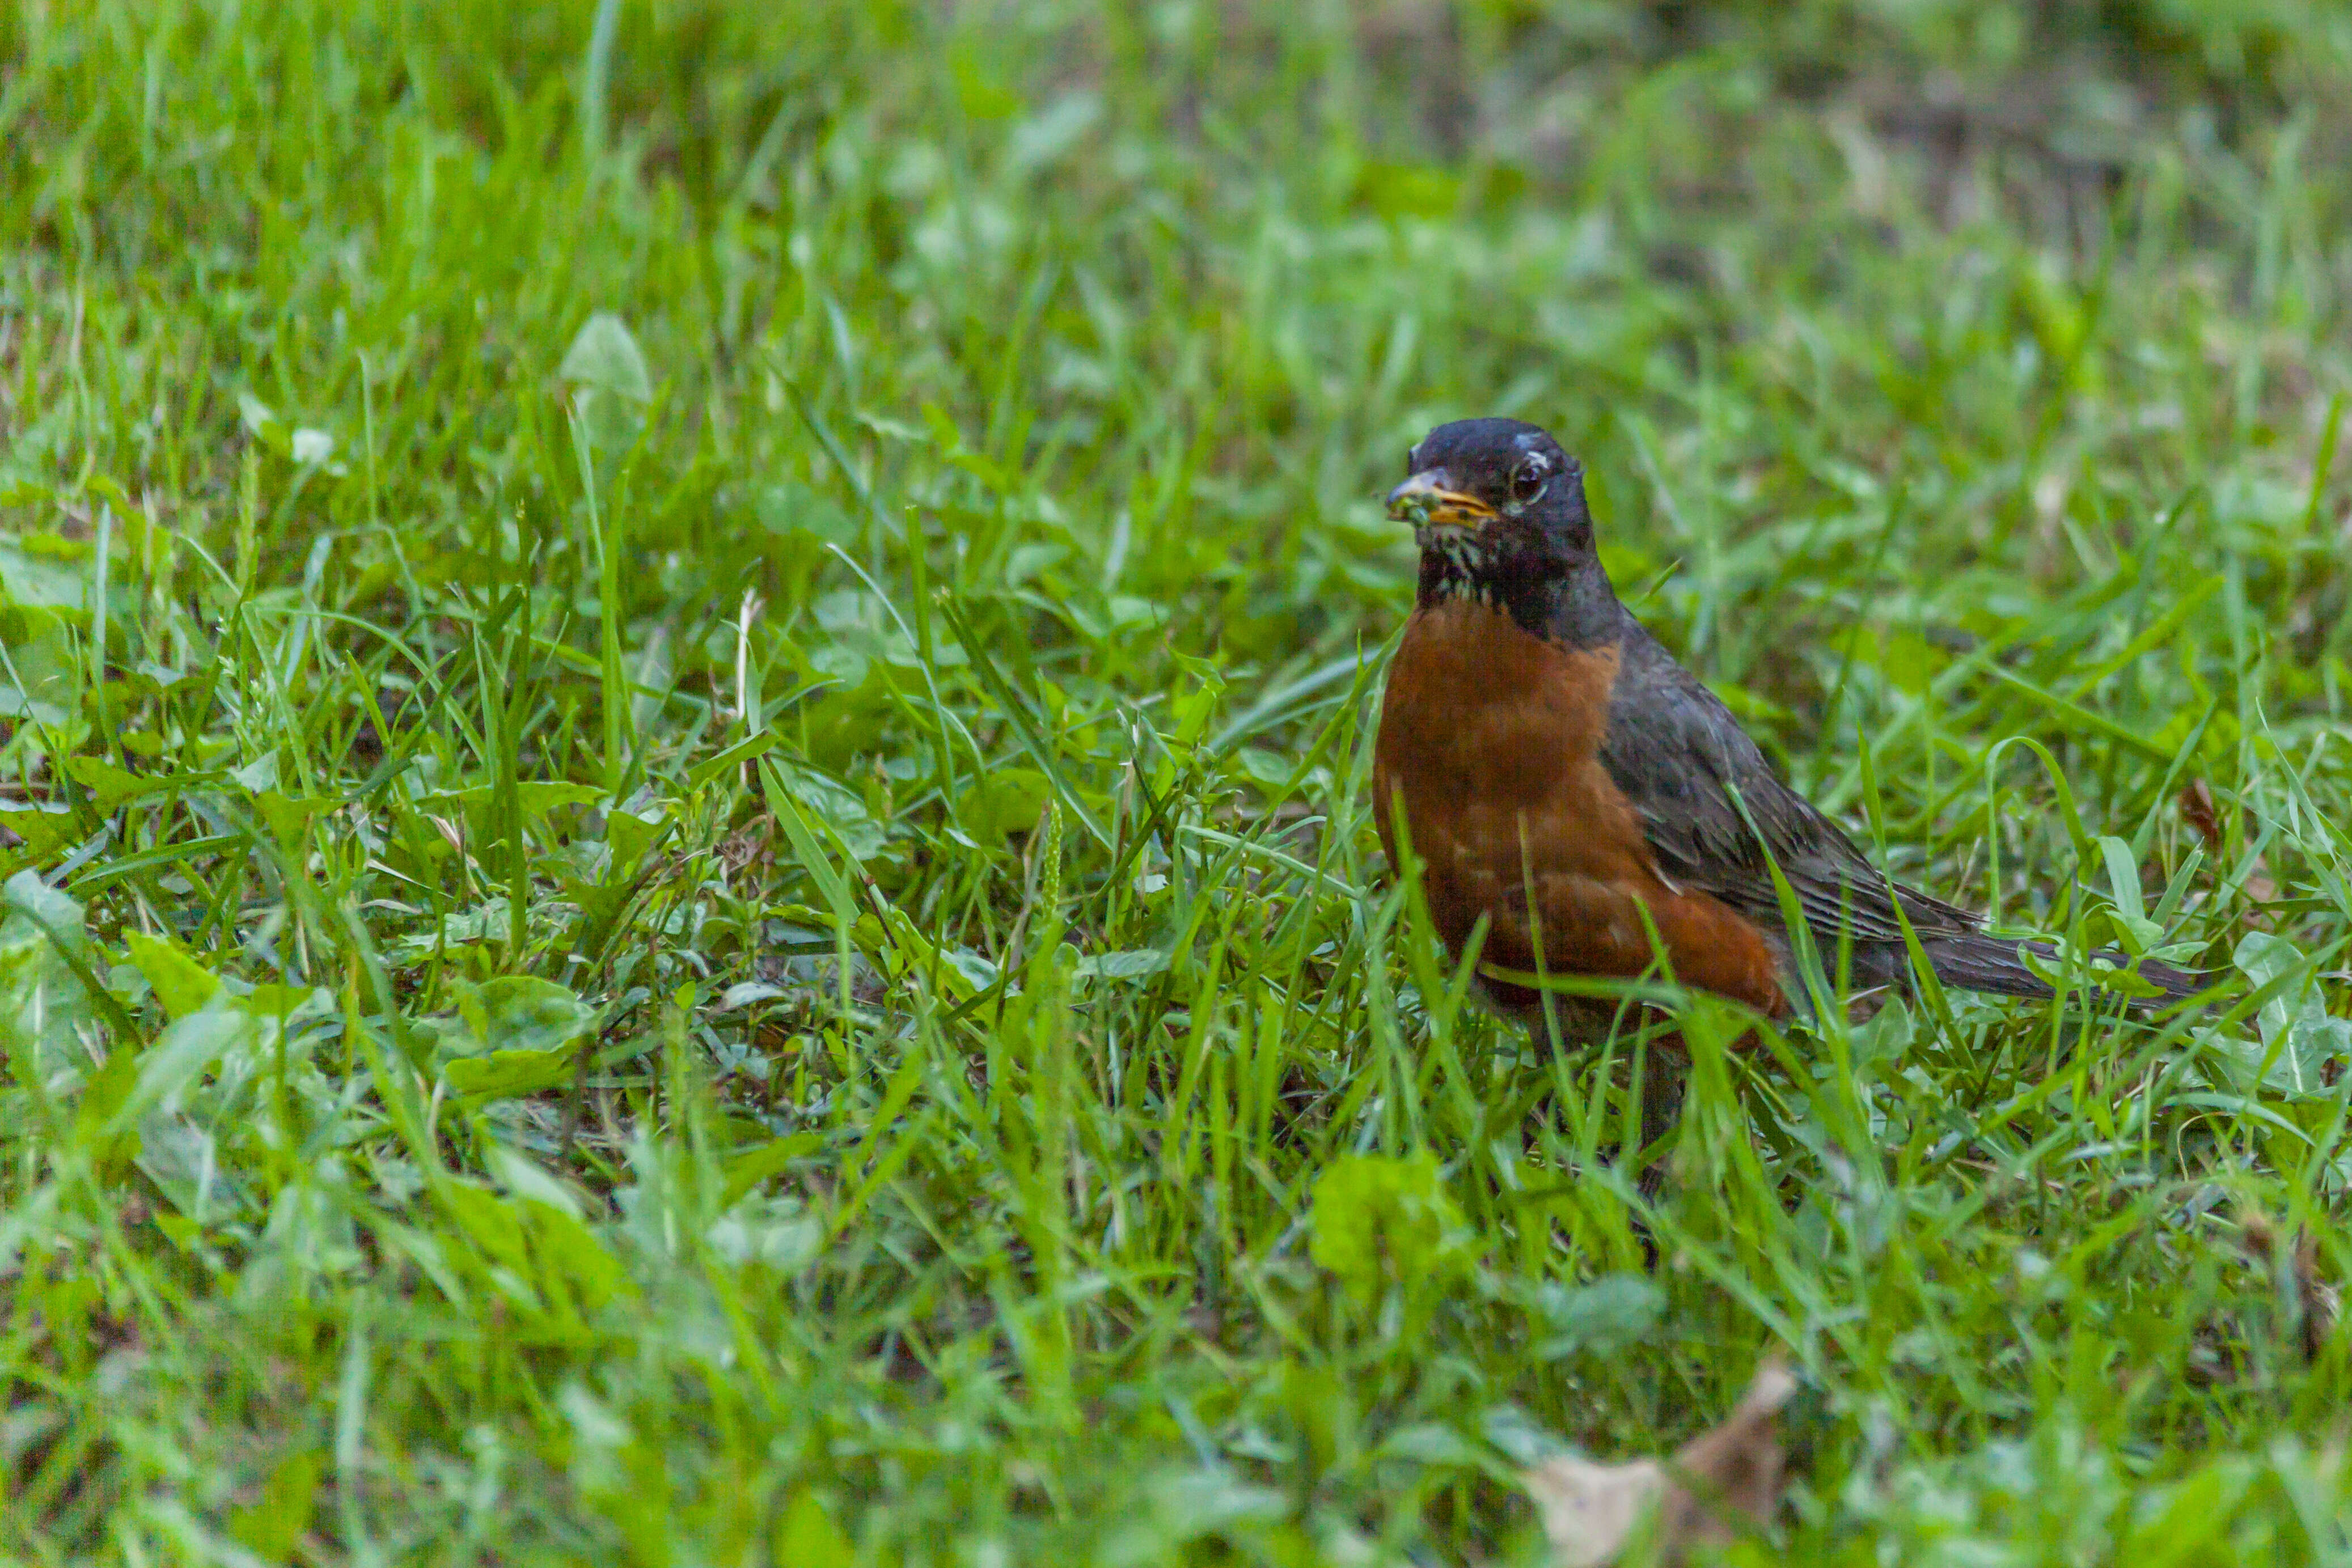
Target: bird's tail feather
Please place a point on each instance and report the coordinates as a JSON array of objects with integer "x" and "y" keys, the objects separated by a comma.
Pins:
[{"x": 1980, "y": 962}]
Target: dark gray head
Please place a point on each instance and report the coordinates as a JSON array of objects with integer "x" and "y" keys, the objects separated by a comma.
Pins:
[{"x": 1498, "y": 511}]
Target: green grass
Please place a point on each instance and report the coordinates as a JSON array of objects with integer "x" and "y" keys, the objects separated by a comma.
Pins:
[{"x": 451, "y": 747}]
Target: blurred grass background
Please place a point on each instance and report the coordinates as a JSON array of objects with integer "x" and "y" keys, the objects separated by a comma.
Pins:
[{"x": 684, "y": 712}]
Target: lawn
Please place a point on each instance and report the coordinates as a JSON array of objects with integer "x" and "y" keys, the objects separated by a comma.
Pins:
[{"x": 683, "y": 747}]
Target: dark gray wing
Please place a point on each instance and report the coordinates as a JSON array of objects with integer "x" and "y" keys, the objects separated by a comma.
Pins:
[{"x": 1676, "y": 753}]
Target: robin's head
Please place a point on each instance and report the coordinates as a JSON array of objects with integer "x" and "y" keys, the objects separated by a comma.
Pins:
[{"x": 1496, "y": 507}]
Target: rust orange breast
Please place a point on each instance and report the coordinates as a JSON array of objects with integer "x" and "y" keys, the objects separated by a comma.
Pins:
[{"x": 1489, "y": 745}]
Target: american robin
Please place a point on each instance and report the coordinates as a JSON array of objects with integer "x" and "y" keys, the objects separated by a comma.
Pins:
[{"x": 1559, "y": 774}]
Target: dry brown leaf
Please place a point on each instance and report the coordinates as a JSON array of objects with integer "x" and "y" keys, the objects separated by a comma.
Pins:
[
  {"x": 1724, "y": 1478},
  {"x": 2317, "y": 1301},
  {"x": 2197, "y": 808},
  {"x": 2196, "y": 811}
]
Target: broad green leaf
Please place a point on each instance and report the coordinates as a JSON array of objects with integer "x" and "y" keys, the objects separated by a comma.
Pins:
[
  {"x": 574, "y": 1263},
  {"x": 901, "y": 947},
  {"x": 100, "y": 1128},
  {"x": 42, "y": 572},
  {"x": 258, "y": 775},
  {"x": 520, "y": 1030},
  {"x": 41, "y": 679},
  {"x": 780, "y": 1233},
  {"x": 611, "y": 385},
  {"x": 747, "y": 1168},
  {"x": 108, "y": 785},
  {"x": 273, "y": 1526},
  {"x": 287, "y": 1003},
  {"x": 808, "y": 1536},
  {"x": 1129, "y": 965},
  {"x": 506, "y": 1075},
  {"x": 41, "y": 999},
  {"x": 789, "y": 507},
  {"x": 1430, "y": 1443},
  {"x": 2299, "y": 1038},
  {"x": 1601, "y": 1318},
  {"x": 181, "y": 984},
  {"x": 2123, "y": 882},
  {"x": 189, "y": 1048},
  {"x": 1045, "y": 137},
  {"x": 843, "y": 811},
  {"x": 43, "y": 830},
  {"x": 289, "y": 816},
  {"x": 1008, "y": 800},
  {"x": 1379, "y": 1221},
  {"x": 261, "y": 421},
  {"x": 630, "y": 835},
  {"x": 526, "y": 1178},
  {"x": 486, "y": 922},
  {"x": 524, "y": 1013},
  {"x": 604, "y": 355}
]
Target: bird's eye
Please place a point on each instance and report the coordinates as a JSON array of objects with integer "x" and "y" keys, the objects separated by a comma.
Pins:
[{"x": 1528, "y": 481}]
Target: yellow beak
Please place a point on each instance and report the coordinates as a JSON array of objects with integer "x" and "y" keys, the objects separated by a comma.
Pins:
[{"x": 1426, "y": 499}]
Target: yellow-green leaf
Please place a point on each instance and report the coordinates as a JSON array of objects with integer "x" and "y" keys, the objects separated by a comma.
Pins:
[{"x": 182, "y": 985}]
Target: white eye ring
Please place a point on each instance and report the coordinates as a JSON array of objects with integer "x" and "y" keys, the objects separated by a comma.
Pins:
[{"x": 1529, "y": 480}]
